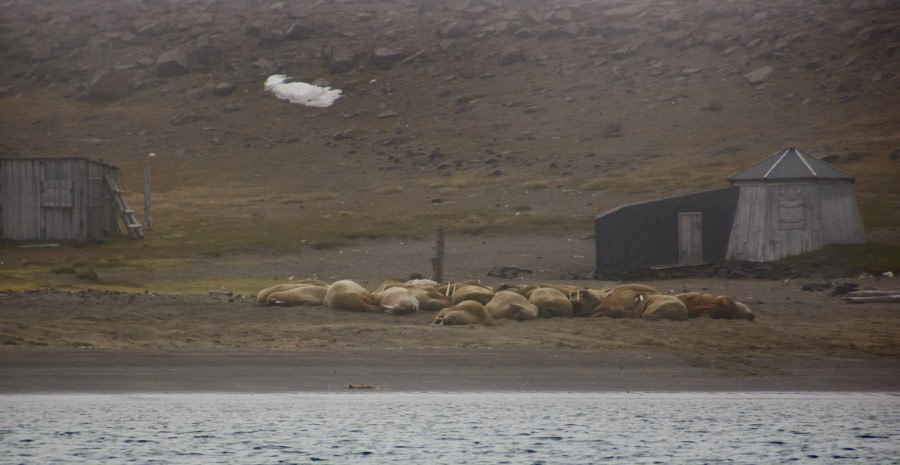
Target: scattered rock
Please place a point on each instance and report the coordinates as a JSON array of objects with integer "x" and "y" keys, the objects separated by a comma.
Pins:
[
  {"x": 341, "y": 61},
  {"x": 6, "y": 90},
  {"x": 507, "y": 272},
  {"x": 759, "y": 75},
  {"x": 844, "y": 289},
  {"x": 456, "y": 29},
  {"x": 342, "y": 135},
  {"x": 87, "y": 275},
  {"x": 180, "y": 119},
  {"x": 112, "y": 85},
  {"x": 149, "y": 27},
  {"x": 612, "y": 130},
  {"x": 511, "y": 55},
  {"x": 385, "y": 57},
  {"x": 172, "y": 63},
  {"x": 223, "y": 89},
  {"x": 297, "y": 31}
]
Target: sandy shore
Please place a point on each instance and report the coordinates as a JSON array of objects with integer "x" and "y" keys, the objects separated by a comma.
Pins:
[
  {"x": 51, "y": 370},
  {"x": 110, "y": 342}
]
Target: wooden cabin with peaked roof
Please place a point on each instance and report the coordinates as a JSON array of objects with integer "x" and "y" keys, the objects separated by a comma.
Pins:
[
  {"x": 787, "y": 204},
  {"x": 791, "y": 203}
]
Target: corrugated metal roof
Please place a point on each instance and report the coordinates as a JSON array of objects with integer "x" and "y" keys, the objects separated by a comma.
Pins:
[{"x": 790, "y": 165}]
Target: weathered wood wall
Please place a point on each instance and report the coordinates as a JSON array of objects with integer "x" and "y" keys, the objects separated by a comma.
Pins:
[
  {"x": 841, "y": 222},
  {"x": 55, "y": 199},
  {"x": 777, "y": 220}
]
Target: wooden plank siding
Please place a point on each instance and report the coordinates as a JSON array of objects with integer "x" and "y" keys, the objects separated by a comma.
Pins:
[
  {"x": 55, "y": 199},
  {"x": 777, "y": 220},
  {"x": 841, "y": 221}
]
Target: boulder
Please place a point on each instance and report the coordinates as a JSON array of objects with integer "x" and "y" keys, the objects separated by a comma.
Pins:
[
  {"x": 111, "y": 85},
  {"x": 456, "y": 29},
  {"x": 297, "y": 31},
  {"x": 172, "y": 63},
  {"x": 385, "y": 57},
  {"x": 150, "y": 27},
  {"x": 223, "y": 89},
  {"x": 758, "y": 75},
  {"x": 560, "y": 17},
  {"x": 511, "y": 55},
  {"x": 341, "y": 61}
]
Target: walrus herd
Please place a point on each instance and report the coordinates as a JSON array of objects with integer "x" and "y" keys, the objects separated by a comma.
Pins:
[{"x": 474, "y": 303}]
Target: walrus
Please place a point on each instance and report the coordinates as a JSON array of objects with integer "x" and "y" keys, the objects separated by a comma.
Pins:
[
  {"x": 306, "y": 295},
  {"x": 620, "y": 303},
  {"x": 585, "y": 301},
  {"x": 524, "y": 290},
  {"x": 430, "y": 300},
  {"x": 511, "y": 305},
  {"x": 744, "y": 312},
  {"x": 262, "y": 297},
  {"x": 348, "y": 295},
  {"x": 396, "y": 301},
  {"x": 467, "y": 312},
  {"x": 471, "y": 292},
  {"x": 551, "y": 303},
  {"x": 660, "y": 307},
  {"x": 390, "y": 283},
  {"x": 422, "y": 283},
  {"x": 642, "y": 288},
  {"x": 704, "y": 304}
]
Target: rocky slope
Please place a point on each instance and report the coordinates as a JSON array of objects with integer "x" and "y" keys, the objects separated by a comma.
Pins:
[{"x": 563, "y": 107}]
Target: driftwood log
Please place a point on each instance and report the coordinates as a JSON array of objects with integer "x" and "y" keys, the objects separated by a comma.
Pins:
[{"x": 864, "y": 297}]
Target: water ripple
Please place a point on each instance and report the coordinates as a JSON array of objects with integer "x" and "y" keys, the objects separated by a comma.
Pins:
[{"x": 513, "y": 428}]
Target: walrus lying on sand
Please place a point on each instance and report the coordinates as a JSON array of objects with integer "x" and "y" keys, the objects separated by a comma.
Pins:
[
  {"x": 396, "y": 301},
  {"x": 703, "y": 304},
  {"x": 622, "y": 301},
  {"x": 304, "y": 294},
  {"x": 551, "y": 303},
  {"x": 479, "y": 294},
  {"x": 430, "y": 300},
  {"x": 349, "y": 295},
  {"x": 467, "y": 312},
  {"x": 660, "y": 307},
  {"x": 511, "y": 305}
]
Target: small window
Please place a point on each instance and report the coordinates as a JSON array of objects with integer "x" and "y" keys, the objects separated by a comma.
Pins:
[
  {"x": 57, "y": 193},
  {"x": 791, "y": 214}
]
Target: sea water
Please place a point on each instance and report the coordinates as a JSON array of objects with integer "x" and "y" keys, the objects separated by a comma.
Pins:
[{"x": 451, "y": 428}]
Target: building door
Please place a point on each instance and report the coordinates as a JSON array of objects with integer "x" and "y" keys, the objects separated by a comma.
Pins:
[{"x": 690, "y": 238}]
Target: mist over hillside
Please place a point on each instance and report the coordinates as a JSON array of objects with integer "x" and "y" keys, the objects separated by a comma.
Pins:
[{"x": 535, "y": 107}]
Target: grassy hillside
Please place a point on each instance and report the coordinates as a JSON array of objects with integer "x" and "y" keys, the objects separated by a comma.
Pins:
[{"x": 497, "y": 117}]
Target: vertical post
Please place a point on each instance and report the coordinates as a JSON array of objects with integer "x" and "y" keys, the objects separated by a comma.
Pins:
[
  {"x": 148, "y": 216},
  {"x": 437, "y": 261}
]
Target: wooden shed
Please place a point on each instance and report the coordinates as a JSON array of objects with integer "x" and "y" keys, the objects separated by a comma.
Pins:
[
  {"x": 791, "y": 203},
  {"x": 787, "y": 204},
  {"x": 59, "y": 199}
]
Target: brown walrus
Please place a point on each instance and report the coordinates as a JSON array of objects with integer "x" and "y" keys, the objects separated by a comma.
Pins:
[
  {"x": 349, "y": 295},
  {"x": 704, "y": 304},
  {"x": 467, "y": 312},
  {"x": 511, "y": 305}
]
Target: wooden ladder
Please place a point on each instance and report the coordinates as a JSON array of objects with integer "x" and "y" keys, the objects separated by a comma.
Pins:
[{"x": 127, "y": 214}]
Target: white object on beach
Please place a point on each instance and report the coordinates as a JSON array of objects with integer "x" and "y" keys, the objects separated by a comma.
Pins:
[{"x": 301, "y": 92}]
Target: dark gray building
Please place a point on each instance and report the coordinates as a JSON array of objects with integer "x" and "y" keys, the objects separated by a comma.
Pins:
[{"x": 787, "y": 204}]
